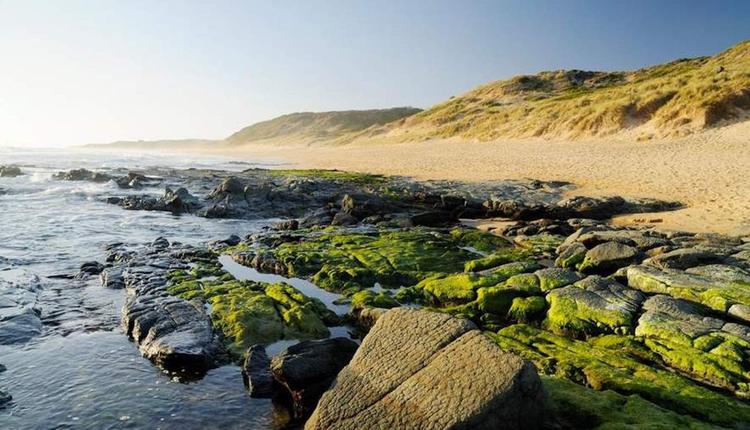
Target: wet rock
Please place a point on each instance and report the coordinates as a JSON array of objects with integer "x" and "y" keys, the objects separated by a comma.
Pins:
[
  {"x": 307, "y": 369},
  {"x": 418, "y": 369},
  {"x": 608, "y": 257},
  {"x": 89, "y": 268},
  {"x": 83, "y": 175},
  {"x": 688, "y": 339},
  {"x": 593, "y": 306},
  {"x": 180, "y": 201},
  {"x": 19, "y": 326},
  {"x": 174, "y": 333},
  {"x": 10, "y": 171},
  {"x": 132, "y": 180},
  {"x": 19, "y": 313},
  {"x": 256, "y": 372},
  {"x": 217, "y": 245},
  {"x": 5, "y": 398},
  {"x": 112, "y": 278}
]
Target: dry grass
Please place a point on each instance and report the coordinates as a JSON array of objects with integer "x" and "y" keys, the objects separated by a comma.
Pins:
[
  {"x": 667, "y": 100},
  {"x": 314, "y": 127}
]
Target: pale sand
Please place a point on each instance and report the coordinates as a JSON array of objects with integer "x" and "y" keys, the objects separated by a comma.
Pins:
[{"x": 709, "y": 172}]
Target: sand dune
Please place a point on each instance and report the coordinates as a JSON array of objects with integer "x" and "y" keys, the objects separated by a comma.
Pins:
[{"x": 709, "y": 172}]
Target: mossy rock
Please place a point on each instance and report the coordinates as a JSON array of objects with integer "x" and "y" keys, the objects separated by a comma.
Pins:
[
  {"x": 526, "y": 309},
  {"x": 688, "y": 339},
  {"x": 724, "y": 296},
  {"x": 539, "y": 243},
  {"x": 370, "y": 299},
  {"x": 592, "y": 306},
  {"x": 497, "y": 258},
  {"x": 249, "y": 312},
  {"x": 577, "y": 407},
  {"x": 338, "y": 260},
  {"x": 611, "y": 365},
  {"x": 555, "y": 277}
]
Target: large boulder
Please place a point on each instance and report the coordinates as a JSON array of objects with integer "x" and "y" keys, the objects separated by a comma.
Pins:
[
  {"x": 422, "y": 370},
  {"x": 307, "y": 369}
]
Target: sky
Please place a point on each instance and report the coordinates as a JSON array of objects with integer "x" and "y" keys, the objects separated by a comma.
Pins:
[{"x": 94, "y": 71}]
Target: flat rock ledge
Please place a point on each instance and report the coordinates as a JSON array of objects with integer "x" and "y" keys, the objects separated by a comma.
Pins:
[
  {"x": 423, "y": 370},
  {"x": 174, "y": 333}
]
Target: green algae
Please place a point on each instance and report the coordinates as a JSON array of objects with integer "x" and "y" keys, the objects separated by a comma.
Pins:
[
  {"x": 575, "y": 406},
  {"x": 332, "y": 175},
  {"x": 611, "y": 365},
  {"x": 718, "y": 295},
  {"x": 248, "y": 312},
  {"x": 370, "y": 299},
  {"x": 539, "y": 243},
  {"x": 479, "y": 240},
  {"x": 338, "y": 260},
  {"x": 497, "y": 258},
  {"x": 527, "y": 309}
]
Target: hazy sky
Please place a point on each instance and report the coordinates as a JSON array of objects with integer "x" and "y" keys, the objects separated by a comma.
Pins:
[{"x": 96, "y": 71}]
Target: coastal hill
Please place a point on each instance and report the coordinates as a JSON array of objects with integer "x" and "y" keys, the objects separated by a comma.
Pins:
[
  {"x": 668, "y": 100},
  {"x": 675, "y": 99},
  {"x": 317, "y": 127}
]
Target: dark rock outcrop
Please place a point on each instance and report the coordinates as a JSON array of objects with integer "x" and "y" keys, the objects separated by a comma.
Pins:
[
  {"x": 83, "y": 175},
  {"x": 307, "y": 369},
  {"x": 10, "y": 171},
  {"x": 256, "y": 372}
]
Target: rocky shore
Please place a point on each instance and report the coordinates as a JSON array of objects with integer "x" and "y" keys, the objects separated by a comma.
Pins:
[{"x": 558, "y": 319}]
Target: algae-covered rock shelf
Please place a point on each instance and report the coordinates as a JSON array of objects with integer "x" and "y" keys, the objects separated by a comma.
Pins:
[
  {"x": 629, "y": 327},
  {"x": 647, "y": 321}
]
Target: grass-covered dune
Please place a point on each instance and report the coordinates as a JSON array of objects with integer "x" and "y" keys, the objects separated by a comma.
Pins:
[
  {"x": 316, "y": 127},
  {"x": 672, "y": 99}
]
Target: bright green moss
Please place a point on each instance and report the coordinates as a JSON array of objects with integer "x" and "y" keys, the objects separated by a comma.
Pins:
[
  {"x": 480, "y": 240},
  {"x": 332, "y": 175},
  {"x": 370, "y": 299},
  {"x": 526, "y": 309},
  {"x": 574, "y": 406},
  {"x": 539, "y": 243},
  {"x": 249, "y": 312},
  {"x": 609, "y": 366},
  {"x": 497, "y": 258},
  {"x": 338, "y": 261}
]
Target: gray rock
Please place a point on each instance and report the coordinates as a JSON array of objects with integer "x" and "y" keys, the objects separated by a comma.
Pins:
[
  {"x": 308, "y": 368},
  {"x": 608, "y": 257},
  {"x": 83, "y": 175},
  {"x": 423, "y": 370},
  {"x": 683, "y": 259},
  {"x": 172, "y": 332},
  {"x": 5, "y": 398},
  {"x": 10, "y": 171},
  {"x": 343, "y": 219},
  {"x": 256, "y": 372},
  {"x": 112, "y": 278}
]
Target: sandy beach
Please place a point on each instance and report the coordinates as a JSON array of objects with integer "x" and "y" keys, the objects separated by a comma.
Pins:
[{"x": 708, "y": 172}]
